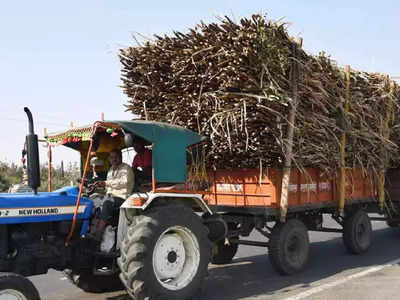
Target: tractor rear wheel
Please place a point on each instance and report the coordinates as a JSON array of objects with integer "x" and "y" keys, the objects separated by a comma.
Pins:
[
  {"x": 17, "y": 287},
  {"x": 289, "y": 247},
  {"x": 165, "y": 254}
]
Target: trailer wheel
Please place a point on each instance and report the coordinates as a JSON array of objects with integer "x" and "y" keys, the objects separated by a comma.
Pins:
[
  {"x": 357, "y": 232},
  {"x": 289, "y": 247},
  {"x": 392, "y": 224},
  {"x": 91, "y": 283},
  {"x": 224, "y": 253},
  {"x": 165, "y": 254},
  {"x": 17, "y": 287}
]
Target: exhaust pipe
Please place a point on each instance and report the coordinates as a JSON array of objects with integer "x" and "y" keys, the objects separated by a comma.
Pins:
[{"x": 32, "y": 150}]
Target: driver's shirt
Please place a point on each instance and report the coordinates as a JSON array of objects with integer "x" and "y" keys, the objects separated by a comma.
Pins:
[{"x": 120, "y": 181}]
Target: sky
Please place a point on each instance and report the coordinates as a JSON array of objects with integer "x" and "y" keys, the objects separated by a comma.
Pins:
[{"x": 60, "y": 58}]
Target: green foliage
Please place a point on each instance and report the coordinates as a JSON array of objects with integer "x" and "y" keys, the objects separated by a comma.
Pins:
[
  {"x": 11, "y": 174},
  {"x": 58, "y": 179}
]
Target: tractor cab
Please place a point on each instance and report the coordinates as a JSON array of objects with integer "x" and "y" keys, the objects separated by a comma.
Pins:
[{"x": 168, "y": 145}]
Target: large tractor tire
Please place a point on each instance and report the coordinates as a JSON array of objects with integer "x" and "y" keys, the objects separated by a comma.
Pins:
[
  {"x": 289, "y": 247},
  {"x": 165, "y": 254},
  {"x": 357, "y": 232},
  {"x": 14, "y": 286}
]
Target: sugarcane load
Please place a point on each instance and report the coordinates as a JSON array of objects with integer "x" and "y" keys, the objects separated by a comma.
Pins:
[{"x": 237, "y": 84}]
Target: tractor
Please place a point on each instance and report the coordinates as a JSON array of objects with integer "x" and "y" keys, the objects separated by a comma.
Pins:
[{"x": 44, "y": 230}]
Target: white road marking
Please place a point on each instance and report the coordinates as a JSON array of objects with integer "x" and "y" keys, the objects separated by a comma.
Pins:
[
  {"x": 329, "y": 285},
  {"x": 63, "y": 278}
]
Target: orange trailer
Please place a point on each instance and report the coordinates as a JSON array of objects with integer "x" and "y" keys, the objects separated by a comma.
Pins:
[
  {"x": 252, "y": 188},
  {"x": 248, "y": 199}
]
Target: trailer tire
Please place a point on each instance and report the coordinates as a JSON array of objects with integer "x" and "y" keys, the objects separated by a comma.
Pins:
[
  {"x": 289, "y": 247},
  {"x": 165, "y": 254},
  {"x": 18, "y": 287},
  {"x": 357, "y": 232},
  {"x": 224, "y": 253},
  {"x": 91, "y": 283},
  {"x": 392, "y": 224}
]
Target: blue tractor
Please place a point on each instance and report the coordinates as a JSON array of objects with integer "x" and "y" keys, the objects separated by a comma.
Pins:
[
  {"x": 33, "y": 232},
  {"x": 44, "y": 230}
]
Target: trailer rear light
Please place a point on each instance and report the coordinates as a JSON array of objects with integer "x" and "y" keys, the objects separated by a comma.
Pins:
[{"x": 139, "y": 201}]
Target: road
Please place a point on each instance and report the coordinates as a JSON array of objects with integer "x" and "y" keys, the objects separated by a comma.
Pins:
[{"x": 331, "y": 274}]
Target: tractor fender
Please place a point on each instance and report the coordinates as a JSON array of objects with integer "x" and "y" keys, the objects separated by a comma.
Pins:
[
  {"x": 139, "y": 202},
  {"x": 143, "y": 201}
]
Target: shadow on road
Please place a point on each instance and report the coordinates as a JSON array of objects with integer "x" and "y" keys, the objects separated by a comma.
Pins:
[{"x": 250, "y": 277}]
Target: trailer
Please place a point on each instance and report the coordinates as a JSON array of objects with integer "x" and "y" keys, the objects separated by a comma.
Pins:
[
  {"x": 247, "y": 200},
  {"x": 165, "y": 252}
]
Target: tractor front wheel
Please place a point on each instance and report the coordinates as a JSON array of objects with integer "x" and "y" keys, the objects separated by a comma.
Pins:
[{"x": 14, "y": 286}]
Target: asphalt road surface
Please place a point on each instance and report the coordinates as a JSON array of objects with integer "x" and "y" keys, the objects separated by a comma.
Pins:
[{"x": 331, "y": 274}]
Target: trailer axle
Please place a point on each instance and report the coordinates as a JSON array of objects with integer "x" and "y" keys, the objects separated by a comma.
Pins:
[{"x": 249, "y": 243}]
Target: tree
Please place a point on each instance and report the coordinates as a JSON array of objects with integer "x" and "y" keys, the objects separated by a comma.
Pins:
[{"x": 11, "y": 174}]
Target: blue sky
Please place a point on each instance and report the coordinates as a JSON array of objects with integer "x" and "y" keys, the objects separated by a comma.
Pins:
[{"x": 60, "y": 57}]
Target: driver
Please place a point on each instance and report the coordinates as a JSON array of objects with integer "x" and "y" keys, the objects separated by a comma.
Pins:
[{"x": 119, "y": 184}]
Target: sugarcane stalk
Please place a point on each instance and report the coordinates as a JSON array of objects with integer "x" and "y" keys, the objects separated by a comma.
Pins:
[
  {"x": 342, "y": 182},
  {"x": 290, "y": 134},
  {"x": 385, "y": 134}
]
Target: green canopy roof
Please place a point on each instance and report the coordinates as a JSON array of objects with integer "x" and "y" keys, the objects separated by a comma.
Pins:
[{"x": 169, "y": 146}]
